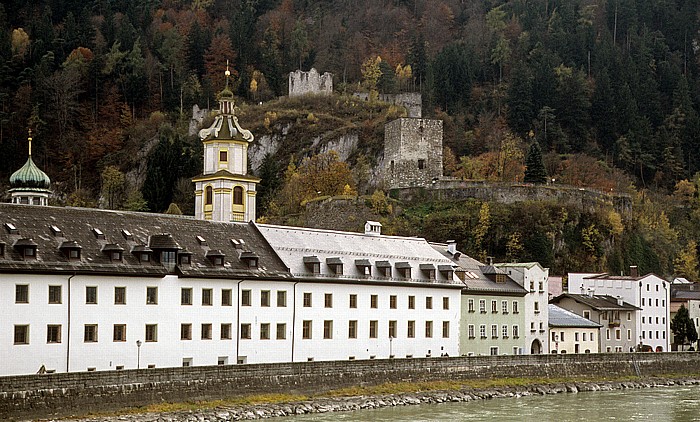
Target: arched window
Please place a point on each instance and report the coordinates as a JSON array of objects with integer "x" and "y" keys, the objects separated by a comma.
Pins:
[
  {"x": 208, "y": 195},
  {"x": 238, "y": 195}
]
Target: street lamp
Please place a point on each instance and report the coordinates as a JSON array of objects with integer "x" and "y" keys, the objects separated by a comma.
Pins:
[
  {"x": 138, "y": 354},
  {"x": 391, "y": 347}
]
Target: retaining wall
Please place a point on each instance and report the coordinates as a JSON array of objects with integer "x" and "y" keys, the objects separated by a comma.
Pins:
[{"x": 29, "y": 396}]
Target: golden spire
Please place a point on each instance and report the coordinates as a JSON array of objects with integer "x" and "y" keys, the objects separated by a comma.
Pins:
[
  {"x": 227, "y": 73},
  {"x": 29, "y": 139}
]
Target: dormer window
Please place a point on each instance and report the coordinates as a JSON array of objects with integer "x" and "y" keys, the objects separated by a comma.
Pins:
[
  {"x": 184, "y": 257},
  {"x": 113, "y": 251},
  {"x": 500, "y": 278},
  {"x": 127, "y": 234},
  {"x": 98, "y": 233},
  {"x": 447, "y": 271},
  {"x": 167, "y": 257},
  {"x": 26, "y": 248},
  {"x": 142, "y": 253},
  {"x": 384, "y": 268},
  {"x": 71, "y": 250},
  {"x": 335, "y": 265},
  {"x": 250, "y": 258},
  {"x": 11, "y": 229},
  {"x": 202, "y": 241},
  {"x": 55, "y": 231},
  {"x": 312, "y": 264},
  {"x": 364, "y": 267},
  {"x": 428, "y": 271},
  {"x": 403, "y": 269},
  {"x": 216, "y": 257}
]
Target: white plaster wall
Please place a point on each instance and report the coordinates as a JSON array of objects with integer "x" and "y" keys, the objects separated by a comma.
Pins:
[{"x": 569, "y": 344}]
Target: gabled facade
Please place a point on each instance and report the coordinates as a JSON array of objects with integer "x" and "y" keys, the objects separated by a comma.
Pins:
[
  {"x": 617, "y": 318},
  {"x": 650, "y": 293},
  {"x": 571, "y": 333},
  {"x": 492, "y": 317},
  {"x": 535, "y": 279},
  {"x": 685, "y": 294}
]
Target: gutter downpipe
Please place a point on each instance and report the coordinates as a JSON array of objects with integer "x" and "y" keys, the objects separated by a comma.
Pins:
[
  {"x": 294, "y": 315},
  {"x": 68, "y": 327},
  {"x": 238, "y": 319}
]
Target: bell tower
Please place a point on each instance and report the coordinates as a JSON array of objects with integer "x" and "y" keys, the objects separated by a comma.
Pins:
[
  {"x": 29, "y": 185},
  {"x": 224, "y": 191}
]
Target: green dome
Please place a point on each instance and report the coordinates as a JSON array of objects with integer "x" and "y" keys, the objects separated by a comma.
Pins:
[{"x": 30, "y": 176}]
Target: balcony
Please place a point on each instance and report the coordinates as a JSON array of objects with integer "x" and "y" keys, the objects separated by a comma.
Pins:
[{"x": 614, "y": 323}]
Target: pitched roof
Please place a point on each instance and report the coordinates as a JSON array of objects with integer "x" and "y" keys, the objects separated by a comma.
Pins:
[
  {"x": 560, "y": 317},
  {"x": 597, "y": 302},
  {"x": 131, "y": 232}
]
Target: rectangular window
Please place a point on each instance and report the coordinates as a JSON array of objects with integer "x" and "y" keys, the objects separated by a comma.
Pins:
[
  {"x": 618, "y": 334},
  {"x": 245, "y": 331},
  {"x": 120, "y": 295},
  {"x": 91, "y": 295},
  {"x": 445, "y": 303},
  {"x": 516, "y": 332},
  {"x": 21, "y": 293},
  {"x": 53, "y": 333},
  {"x": 223, "y": 156},
  {"x": 327, "y": 329},
  {"x": 373, "y": 329},
  {"x": 482, "y": 330},
  {"x": 306, "y": 329},
  {"x": 392, "y": 302},
  {"x": 353, "y": 301},
  {"x": 119, "y": 332},
  {"x": 281, "y": 298},
  {"x": 328, "y": 300},
  {"x": 246, "y": 298},
  {"x": 429, "y": 302},
  {"x": 515, "y": 307},
  {"x": 151, "y": 332},
  {"x": 561, "y": 336},
  {"x": 54, "y": 294},
  {"x": 90, "y": 333},
  {"x": 21, "y": 334},
  {"x": 207, "y": 297},
  {"x": 226, "y": 332},
  {"x": 445, "y": 329},
  {"x": 151, "y": 295},
  {"x": 185, "y": 331},
  {"x": 537, "y": 307},
  {"x": 587, "y": 314},
  {"x": 265, "y": 298},
  {"x": 494, "y": 351},
  {"x": 470, "y": 304},
  {"x": 607, "y": 334},
  {"x": 186, "y": 296},
  {"x": 629, "y": 335},
  {"x": 352, "y": 329},
  {"x": 482, "y": 306},
  {"x": 226, "y": 297},
  {"x": 494, "y": 307},
  {"x": 264, "y": 331},
  {"x": 629, "y": 316},
  {"x": 576, "y": 334},
  {"x": 504, "y": 306},
  {"x": 470, "y": 331},
  {"x": 281, "y": 331},
  {"x": 307, "y": 300},
  {"x": 411, "y": 329},
  {"x": 428, "y": 329},
  {"x": 374, "y": 301},
  {"x": 584, "y": 336},
  {"x": 494, "y": 331},
  {"x": 392, "y": 329},
  {"x": 411, "y": 302},
  {"x": 504, "y": 331}
]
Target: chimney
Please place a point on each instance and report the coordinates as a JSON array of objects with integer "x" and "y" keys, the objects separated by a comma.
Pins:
[
  {"x": 591, "y": 293},
  {"x": 373, "y": 228},
  {"x": 634, "y": 273},
  {"x": 620, "y": 302},
  {"x": 489, "y": 260},
  {"x": 452, "y": 247}
]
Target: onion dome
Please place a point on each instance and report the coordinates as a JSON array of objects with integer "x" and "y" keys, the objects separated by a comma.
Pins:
[{"x": 30, "y": 176}]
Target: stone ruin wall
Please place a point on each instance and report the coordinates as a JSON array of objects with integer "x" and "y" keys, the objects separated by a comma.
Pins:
[{"x": 310, "y": 83}]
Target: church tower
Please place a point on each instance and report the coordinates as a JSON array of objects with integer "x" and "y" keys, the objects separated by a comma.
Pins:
[
  {"x": 225, "y": 191},
  {"x": 29, "y": 185}
]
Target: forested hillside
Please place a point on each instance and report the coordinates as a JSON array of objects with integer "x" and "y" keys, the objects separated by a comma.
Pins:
[{"x": 608, "y": 88}]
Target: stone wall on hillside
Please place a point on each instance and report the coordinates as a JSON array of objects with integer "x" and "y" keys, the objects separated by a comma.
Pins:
[
  {"x": 310, "y": 83},
  {"x": 33, "y": 396}
]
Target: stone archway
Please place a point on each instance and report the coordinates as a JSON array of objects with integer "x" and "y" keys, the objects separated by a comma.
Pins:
[{"x": 536, "y": 347}]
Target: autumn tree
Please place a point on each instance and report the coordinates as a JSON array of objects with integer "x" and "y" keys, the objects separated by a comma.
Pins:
[
  {"x": 371, "y": 72},
  {"x": 215, "y": 61},
  {"x": 113, "y": 187},
  {"x": 686, "y": 262}
]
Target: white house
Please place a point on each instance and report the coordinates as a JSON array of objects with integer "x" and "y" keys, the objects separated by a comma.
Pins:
[
  {"x": 535, "y": 279},
  {"x": 571, "y": 333},
  {"x": 650, "y": 292}
]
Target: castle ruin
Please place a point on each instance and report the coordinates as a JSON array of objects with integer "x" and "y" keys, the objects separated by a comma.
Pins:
[
  {"x": 310, "y": 83},
  {"x": 412, "y": 153}
]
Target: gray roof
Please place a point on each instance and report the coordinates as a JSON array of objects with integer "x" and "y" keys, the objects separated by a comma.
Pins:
[
  {"x": 559, "y": 317},
  {"x": 164, "y": 231},
  {"x": 598, "y": 302},
  {"x": 292, "y": 244},
  {"x": 476, "y": 279},
  {"x": 684, "y": 292}
]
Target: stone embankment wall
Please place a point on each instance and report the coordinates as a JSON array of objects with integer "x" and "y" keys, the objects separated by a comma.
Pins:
[
  {"x": 32, "y": 396},
  {"x": 510, "y": 193}
]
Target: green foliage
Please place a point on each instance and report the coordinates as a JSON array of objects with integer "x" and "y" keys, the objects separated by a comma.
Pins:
[
  {"x": 683, "y": 328},
  {"x": 534, "y": 166}
]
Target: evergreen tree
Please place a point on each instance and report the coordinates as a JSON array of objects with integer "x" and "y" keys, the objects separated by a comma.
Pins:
[
  {"x": 683, "y": 328},
  {"x": 534, "y": 166}
]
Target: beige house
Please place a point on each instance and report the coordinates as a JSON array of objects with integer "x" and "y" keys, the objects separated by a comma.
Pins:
[{"x": 571, "y": 333}]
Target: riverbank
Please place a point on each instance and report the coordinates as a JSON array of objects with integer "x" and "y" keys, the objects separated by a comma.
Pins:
[{"x": 340, "y": 401}]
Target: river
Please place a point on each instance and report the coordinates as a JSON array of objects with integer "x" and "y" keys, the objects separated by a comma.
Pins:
[{"x": 677, "y": 404}]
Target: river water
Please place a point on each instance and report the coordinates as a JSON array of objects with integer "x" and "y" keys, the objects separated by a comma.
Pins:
[{"x": 677, "y": 404}]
